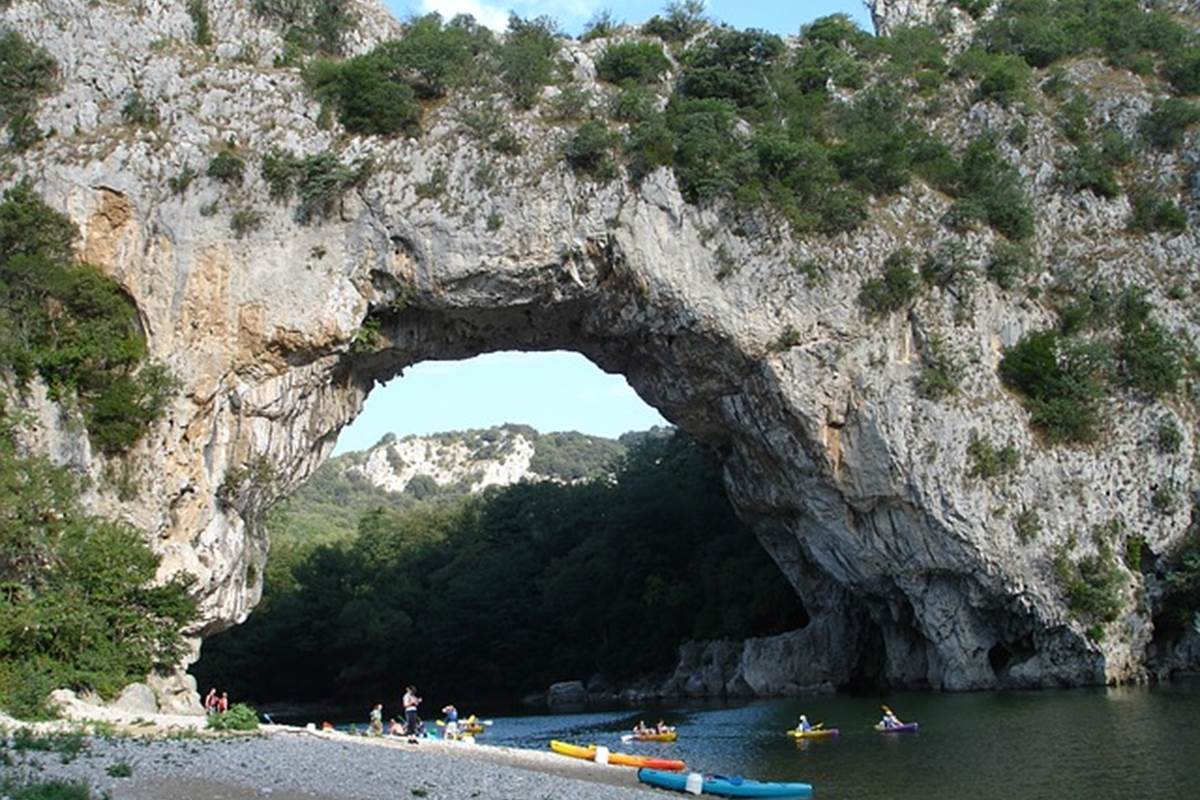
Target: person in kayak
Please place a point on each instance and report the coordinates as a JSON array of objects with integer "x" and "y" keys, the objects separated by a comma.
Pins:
[
  {"x": 890, "y": 720},
  {"x": 662, "y": 727},
  {"x": 803, "y": 725}
]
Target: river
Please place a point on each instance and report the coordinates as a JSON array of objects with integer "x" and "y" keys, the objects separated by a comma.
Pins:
[{"x": 1095, "y": 743}]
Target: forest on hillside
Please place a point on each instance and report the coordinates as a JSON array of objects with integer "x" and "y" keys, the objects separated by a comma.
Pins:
[{"x": 501, "y": 593}]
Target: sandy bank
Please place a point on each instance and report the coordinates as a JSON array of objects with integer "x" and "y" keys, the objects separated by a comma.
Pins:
[{"x": 286, "y": 763}]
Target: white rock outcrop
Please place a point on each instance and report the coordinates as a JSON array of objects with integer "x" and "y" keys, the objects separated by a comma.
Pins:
[{"x": 855, "y": 484}]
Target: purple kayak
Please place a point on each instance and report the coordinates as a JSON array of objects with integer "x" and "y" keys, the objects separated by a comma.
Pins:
[{"x": 908, "y": 727}]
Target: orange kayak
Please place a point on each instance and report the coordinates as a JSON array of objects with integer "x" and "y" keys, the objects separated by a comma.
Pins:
[
  {"x": 621, "y": 759},
  {"x": 665, "y": 764}
]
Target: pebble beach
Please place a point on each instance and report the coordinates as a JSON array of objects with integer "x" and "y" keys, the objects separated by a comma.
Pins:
[{"x": 287, "y": 763}]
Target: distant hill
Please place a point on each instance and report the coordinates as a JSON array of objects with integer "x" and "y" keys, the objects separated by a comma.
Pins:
[{"x": 400, "y": 472}]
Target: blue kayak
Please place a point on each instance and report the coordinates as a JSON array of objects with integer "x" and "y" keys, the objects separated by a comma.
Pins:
[{"x": 725, "y": 785}]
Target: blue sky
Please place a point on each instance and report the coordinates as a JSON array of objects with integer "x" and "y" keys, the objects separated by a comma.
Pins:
[
  {"x": 551, "y": 391},
  {"x": 779, "y": 16}
]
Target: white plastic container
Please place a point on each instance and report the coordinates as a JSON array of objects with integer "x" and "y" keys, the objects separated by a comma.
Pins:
[
  {"x": 695, "y": 783},
  {"x": 601, "y": 755}
]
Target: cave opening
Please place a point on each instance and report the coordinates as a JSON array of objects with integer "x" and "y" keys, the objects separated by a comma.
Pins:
[{"x": 488, "y": 527}]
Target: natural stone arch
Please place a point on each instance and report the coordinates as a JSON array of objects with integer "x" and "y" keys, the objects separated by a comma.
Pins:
[{"x": 749, "y": 338}]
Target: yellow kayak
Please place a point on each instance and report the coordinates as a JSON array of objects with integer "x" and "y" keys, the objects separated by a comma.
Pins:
[
  {"x": 619, "y": 759},
  {"x": 816, "y": 733},
  {"x": 669, "y": 736},
  {"x": 573, "y": 750}
]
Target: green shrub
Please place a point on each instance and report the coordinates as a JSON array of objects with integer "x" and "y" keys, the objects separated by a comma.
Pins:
[
  {"x": 994, "y": 185},
  {"x": 1060, "y": 383},
  {"x": 602, "y": 25},
  {"x": 1086, "y": 168},
  {"x": 1168, "y": 436},
  {"x": 682, "y": 21},
  {"x": 1000, "y": 77},
  {"x": 1167, "y": 121},
  {"x": 895, "y": 288},
  {"x": 239, "y": 717},
  {"x": 433, "y": 188},
  {"x": 1008, "y": 263},
  {"x": 73, "y": 326},
  {"x": 1182, "y": 70},
  {"x": 1028, "y": 526},
  {"x": 368, "y": 100},
  {"x": 44, "y": 790},
  {"x": 180, "y": 183},
  {"x": 1149, "y": 358},
  {"x": 1093, "y": 585},
  {"x": 323, "y": 181},
  {"x": 1163, "y": 498},
  {"x": 571, "y": 103},
  {"x": 589, "y": 151},
  {"x": 941, "y": 374},
  {"x": 1153, "y": 214},
  {"x": 947, "y": 264},
  {"x": 632, "y": 62},
  {"x": 526, "y": 58},
  {"x": 227, "y": 166},
  {"x": 245, "y": 221},
  {"x": 310, "y": 25},
  {"x": 632, "y": 105},
  {"x": 915, "y": 50},
  {"x": 1182, "y": 580},
  {"x": 27, "y": 73},
  {"x": 432, "y": 57},
  {"x": 649, "y": 144},
  {"x": 201, "y": 32},
  {"x": 988, "y": 461},
  {"x": 705, "y": 147},
  {"x": 730, "y": 65},
  {"x": 119, "y": 769},
  {"x": 78, "y": 609},
  {"x": 138, "y": 111},
  {"x": 1133, "y": 552},
  {"x": 279, "y": 170}
]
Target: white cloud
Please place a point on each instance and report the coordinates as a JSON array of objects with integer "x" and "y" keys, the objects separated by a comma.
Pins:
[{"x": 494, "y": 17}]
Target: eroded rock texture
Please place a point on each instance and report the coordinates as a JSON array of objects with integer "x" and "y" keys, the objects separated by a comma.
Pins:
[{"x": 911, "y": 571}]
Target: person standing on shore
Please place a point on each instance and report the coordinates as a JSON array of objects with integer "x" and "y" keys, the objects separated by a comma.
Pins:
[
  {"x": 376, "y": 727},
  {"x": 411, "y": 703},
  {"x": 223, "y": 703},
  {"x": 210, "y": 701}
]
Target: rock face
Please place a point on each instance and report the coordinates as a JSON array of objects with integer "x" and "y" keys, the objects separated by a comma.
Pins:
[
  {"x": 471, "y": 461},
  {"x": 911, "y": 571}
]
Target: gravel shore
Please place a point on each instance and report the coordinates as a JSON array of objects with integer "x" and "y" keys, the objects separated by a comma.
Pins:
[{"x": 285, "y": 763}]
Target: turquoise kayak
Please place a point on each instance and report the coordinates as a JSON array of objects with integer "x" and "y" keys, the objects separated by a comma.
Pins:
[{"x": 725, "y": 785}]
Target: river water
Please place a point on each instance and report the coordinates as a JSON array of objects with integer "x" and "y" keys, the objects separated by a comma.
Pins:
[{"x": 1129, "y": 742}]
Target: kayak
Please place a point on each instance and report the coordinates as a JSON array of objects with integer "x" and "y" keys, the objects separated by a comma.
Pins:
[
  {"x": 669, "y": 736},
  {"x": 471, "y": 727},
  {"x": 728, "y": 786},
  {"x": 665, "y": 764},
  {"x": 573, "y": 750},
  {"x": 815, "y": 733},
  {"x": 908, "y": 727},
  {"x": 620, "y": 759}
]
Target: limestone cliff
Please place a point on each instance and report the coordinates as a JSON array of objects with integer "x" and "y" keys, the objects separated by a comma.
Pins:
[{"x": 857, "y": 485}]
